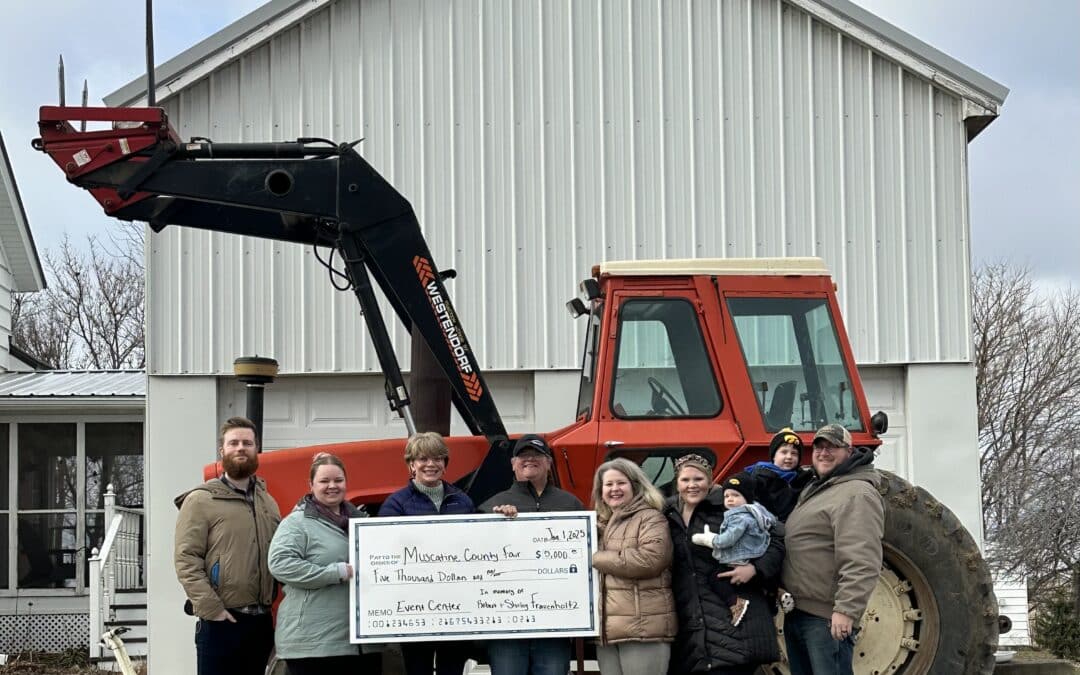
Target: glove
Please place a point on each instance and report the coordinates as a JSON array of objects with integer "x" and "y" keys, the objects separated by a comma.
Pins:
[{"x": 705, "y": 539}]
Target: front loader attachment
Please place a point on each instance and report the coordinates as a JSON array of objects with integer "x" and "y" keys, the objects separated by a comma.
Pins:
[{"x": 309, "y": 191}]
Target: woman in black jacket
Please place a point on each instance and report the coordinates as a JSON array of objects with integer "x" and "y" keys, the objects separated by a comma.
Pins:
[{"x": 706, "y": 641}]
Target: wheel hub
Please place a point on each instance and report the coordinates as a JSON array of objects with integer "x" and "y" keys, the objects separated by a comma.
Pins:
[
  {"x": 889, "y": 627},
  {"x": 899, "y": 628}
]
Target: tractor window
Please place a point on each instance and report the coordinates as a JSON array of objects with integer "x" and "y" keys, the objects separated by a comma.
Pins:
[
  {"x": 795, "y": 363},
  {"x": 659, "y": 463},
  {"x": 588, "y": 363},
  {"x": 662, "y": 368}
]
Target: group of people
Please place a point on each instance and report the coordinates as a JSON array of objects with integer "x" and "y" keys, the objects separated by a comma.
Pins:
[
  {"x": 690, "y": 584},
  {"x": 775, "y": 537}
]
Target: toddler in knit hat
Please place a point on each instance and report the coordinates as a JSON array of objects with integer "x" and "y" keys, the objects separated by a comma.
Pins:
[{"x": 743, "y": 536}]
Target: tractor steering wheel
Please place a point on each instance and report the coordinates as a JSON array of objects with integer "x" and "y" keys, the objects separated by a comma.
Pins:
[{"x": 663, "y": 400}]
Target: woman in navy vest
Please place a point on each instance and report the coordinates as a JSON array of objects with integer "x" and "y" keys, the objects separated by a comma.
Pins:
[{"x": 427, "y": 494}]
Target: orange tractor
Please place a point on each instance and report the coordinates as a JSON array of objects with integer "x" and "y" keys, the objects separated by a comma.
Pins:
[{"x": 705, "y": 356}]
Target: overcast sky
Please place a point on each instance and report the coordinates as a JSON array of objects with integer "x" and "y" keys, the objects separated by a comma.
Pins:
[{"x": 1024, "y": 168}]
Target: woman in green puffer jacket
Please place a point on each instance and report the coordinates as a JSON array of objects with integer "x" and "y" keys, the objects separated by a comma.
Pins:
[{"x": 309, "y": 554}]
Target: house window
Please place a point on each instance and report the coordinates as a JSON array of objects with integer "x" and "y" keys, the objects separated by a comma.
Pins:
[
  {"x": 48, "y": 505},
  {"x": 113, "y": 456},
  {"x": 54, "y": 511}
]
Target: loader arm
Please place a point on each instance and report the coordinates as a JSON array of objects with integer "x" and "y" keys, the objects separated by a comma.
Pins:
[{"x": 310, "y": 191}]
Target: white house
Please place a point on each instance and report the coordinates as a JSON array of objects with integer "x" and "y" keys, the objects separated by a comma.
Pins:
[
  {"x": 64, "y": 437},
  {"x": 536, "y": 139},
  {"x": 20, "y": 269}
]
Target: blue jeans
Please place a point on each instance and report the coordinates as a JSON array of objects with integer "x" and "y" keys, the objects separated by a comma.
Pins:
[
  {"x": 550, "y": 656},
  {"x": 227, "y": 648},
  {"x": 811, "y": 649}
]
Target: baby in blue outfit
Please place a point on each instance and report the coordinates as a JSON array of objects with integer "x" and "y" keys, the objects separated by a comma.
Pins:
[{"x": 743, "y": 536}]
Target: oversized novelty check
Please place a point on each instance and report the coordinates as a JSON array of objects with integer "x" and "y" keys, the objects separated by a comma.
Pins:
[{"x": 474, "y": 576}]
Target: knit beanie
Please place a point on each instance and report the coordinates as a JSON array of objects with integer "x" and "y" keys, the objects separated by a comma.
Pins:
[
  {"x": 785, "y": 437},
  {"x": 743, "y": 483}
]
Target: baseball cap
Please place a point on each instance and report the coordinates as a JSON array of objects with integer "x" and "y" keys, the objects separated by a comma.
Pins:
[
  {"x": 532, "y": 442},
  {"x": 835, "y": 435}
]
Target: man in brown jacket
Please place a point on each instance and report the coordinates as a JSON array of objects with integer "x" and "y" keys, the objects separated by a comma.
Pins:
[
  {"x": 223, "y": 533},
  {"x": 833, "y": 555}
]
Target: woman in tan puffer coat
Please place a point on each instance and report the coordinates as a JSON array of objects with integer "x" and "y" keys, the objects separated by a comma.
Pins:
[{"x": 634, "y": 559}]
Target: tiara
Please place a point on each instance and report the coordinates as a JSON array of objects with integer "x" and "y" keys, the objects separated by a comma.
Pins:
[{"x": 692, "y": 458}]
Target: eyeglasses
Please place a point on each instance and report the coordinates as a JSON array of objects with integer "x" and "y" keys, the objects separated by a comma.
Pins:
[{"x": 827, "y": 449}]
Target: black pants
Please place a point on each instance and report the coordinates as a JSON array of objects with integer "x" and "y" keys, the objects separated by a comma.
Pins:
[
  {"x": 241, "y": 648},
  {"x": 449, "y": 657},
  {"x": 328, "y": 665}
]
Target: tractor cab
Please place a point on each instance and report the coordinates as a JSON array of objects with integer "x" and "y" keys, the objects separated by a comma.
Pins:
[{"x": 713, "y": 357}]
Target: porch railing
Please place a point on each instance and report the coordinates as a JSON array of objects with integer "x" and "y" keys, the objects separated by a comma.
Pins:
[{"x": 115, "y": 565}]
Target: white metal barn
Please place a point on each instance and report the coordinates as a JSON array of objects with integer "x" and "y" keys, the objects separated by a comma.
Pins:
[{"x": 535, "y": 139}]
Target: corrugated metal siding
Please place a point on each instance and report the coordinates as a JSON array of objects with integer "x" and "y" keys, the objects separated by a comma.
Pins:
[
  {"x": 74, "y": 383},
  {"x": 538, "y": 138}
]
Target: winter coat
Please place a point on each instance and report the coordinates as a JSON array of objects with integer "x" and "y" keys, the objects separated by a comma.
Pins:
[
  {"x": 634, "y": 559},
  {"x": 776, "y": 489},
  {"x": 744, "y": 534},
  {"x": 706, "y": 641},
  {"x": 523, "y": 495},
  {"x": 220, "y": 546},
  {"x": 834, "y": 540},
  {"x": 308, "y": 555},
  {"x": 410, "y": 501}
]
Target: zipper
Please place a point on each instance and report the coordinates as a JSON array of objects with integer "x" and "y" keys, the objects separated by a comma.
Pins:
[{"x": 258, "y": 546}]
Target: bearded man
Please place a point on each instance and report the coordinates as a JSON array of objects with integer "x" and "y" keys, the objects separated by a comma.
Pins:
[{"x": 222, "y": 536}]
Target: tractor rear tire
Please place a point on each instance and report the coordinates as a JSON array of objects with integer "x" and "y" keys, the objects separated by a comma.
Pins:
[
  {"x": 933, "y": 610},
  {"x": 951, "y": 590}
]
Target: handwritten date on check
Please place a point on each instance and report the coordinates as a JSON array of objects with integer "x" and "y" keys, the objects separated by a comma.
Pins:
[{"x": 473, "y": 577}]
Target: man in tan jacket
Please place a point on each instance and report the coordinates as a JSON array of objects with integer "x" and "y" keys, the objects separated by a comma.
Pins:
[
  {"x": 223, "y": 533},
  {"x": 833, "y": 555}
]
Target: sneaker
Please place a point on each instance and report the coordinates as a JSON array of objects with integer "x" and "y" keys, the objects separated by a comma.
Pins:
[
  {"x": 785, "y": 602},
  {"x": 738, "y": 611}
]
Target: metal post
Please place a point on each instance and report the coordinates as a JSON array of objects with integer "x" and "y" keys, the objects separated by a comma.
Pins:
[
  {"x": 60, "y": 78},
  {"x": 151, "y": 93},
  {"x": 429, "y": 389},
  {"x": 255, "y": 372},
  {"x": 254, "y": 406},
  {"x": 85, "y": 100}
]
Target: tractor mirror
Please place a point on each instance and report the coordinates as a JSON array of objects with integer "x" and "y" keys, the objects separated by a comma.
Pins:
[
  {"x": 879, "y": 423},
  {"x": 576, "y": 308}
]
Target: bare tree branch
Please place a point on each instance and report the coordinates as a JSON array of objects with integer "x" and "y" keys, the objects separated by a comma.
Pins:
[
  {"x": 1027, "y": 361},
  {"x": 92, "y": 315}
]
